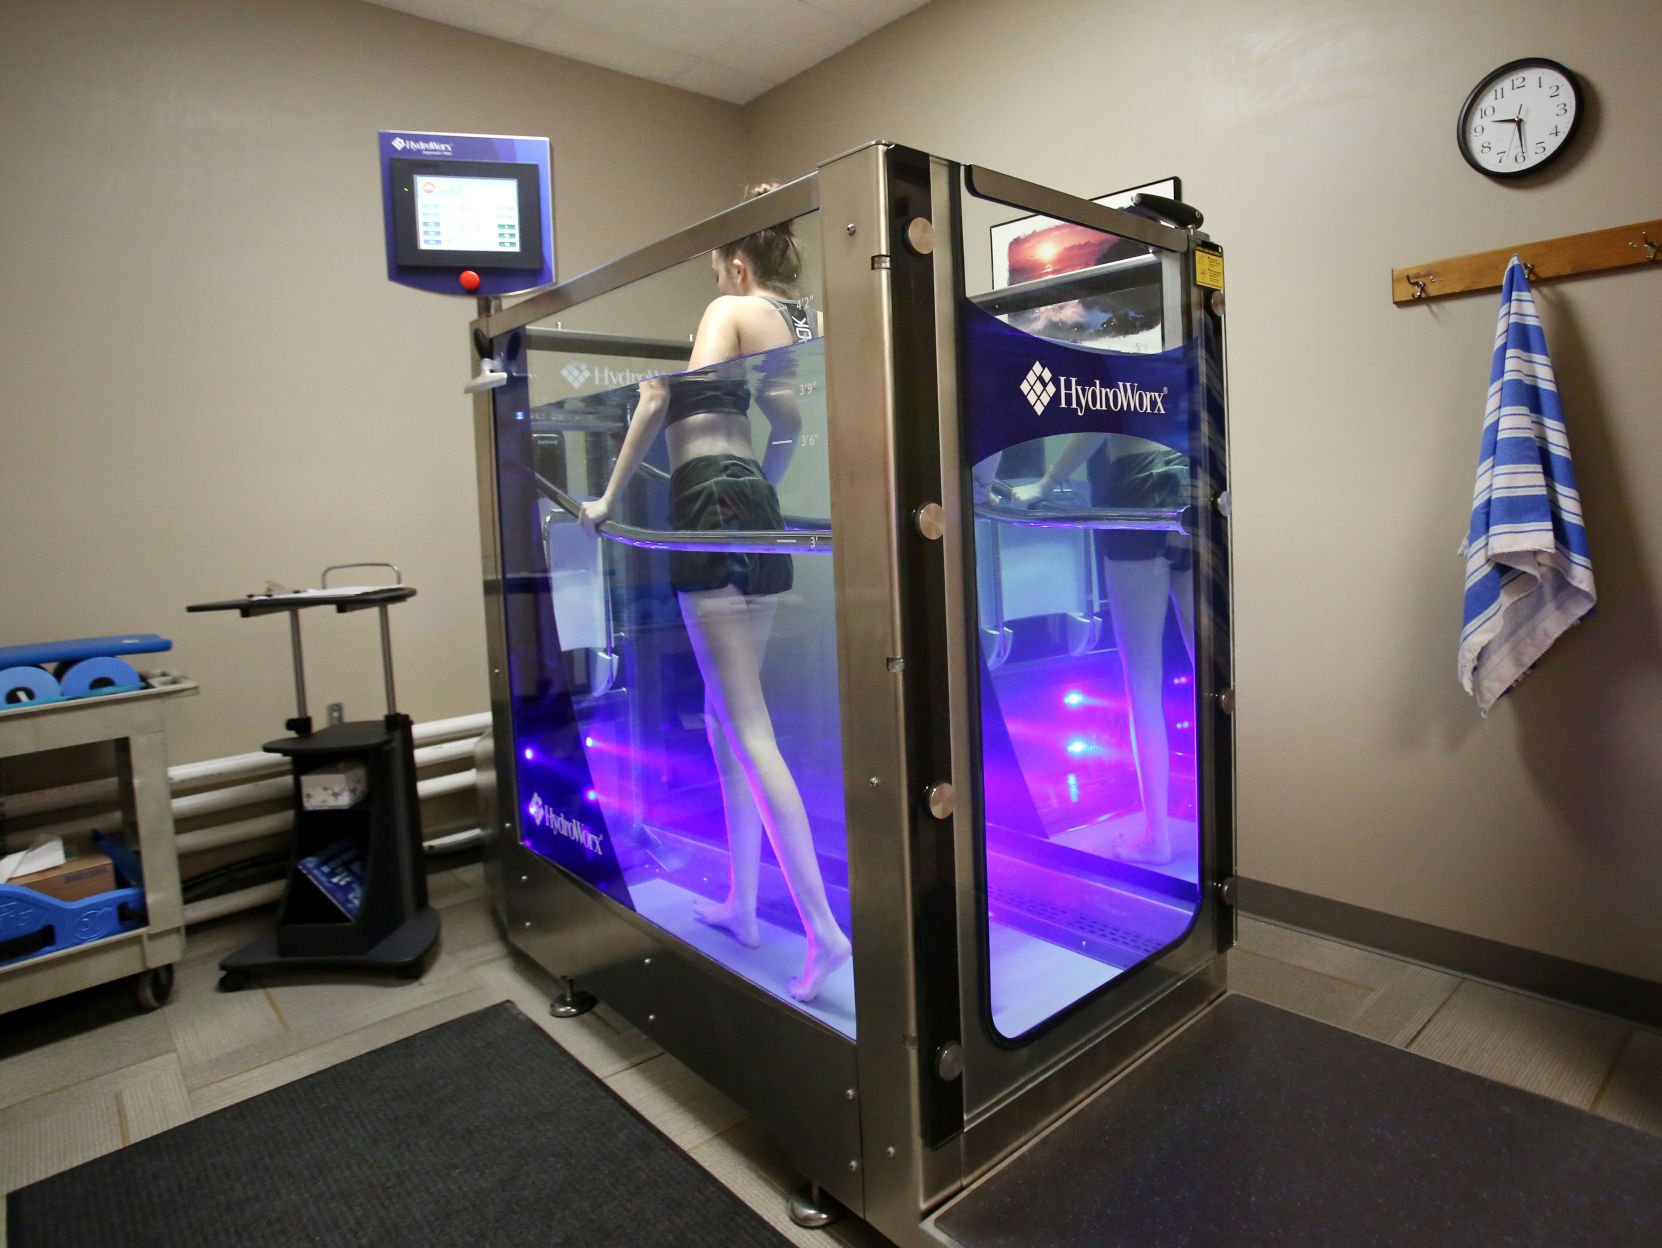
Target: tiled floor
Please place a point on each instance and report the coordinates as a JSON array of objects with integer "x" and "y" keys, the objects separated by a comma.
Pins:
[{"x": 85, "y": 1076}]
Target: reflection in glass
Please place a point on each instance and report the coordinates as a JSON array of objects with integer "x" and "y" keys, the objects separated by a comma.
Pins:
[{"x": 1085, "y": 602}]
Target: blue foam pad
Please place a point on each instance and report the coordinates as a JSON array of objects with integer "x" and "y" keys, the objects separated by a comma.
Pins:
[
  {"x": 41, "y": 653},
  {"x": 99, "y": 675},
  {"x": 25, "y": 686}
]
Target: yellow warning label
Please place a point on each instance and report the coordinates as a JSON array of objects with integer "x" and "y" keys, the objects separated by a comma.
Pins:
[{"x": 1209, "y": 268}]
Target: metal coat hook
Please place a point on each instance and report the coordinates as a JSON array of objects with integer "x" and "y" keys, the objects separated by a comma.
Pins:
[
  {"x": 1418, "y": 283},
  {"x": 1650, "y": 248},
  {"x": 1528, "y": 268}
]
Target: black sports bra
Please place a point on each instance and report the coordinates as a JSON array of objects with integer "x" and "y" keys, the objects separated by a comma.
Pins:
[{"x": 708, "y": 390}]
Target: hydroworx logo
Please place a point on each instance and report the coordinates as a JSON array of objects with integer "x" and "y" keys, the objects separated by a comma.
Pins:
[
  {"x": 545, "y": 817},
  {"x": 579, "y": 373},
  {"x": 1037, "y": 388},
  {"x": 401, "y": 144},
  {"x": 1040, "y": 386}
]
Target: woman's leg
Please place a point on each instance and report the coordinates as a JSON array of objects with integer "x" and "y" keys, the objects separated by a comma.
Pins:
[
  {"x": 737, "y": 914},
  {"x": 1138, "y": 590},
  {"x": 724, "y": 627}
]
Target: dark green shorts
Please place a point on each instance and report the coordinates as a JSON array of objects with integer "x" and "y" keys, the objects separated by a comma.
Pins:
[
  {"x": 1145, "y": 480},
  {"x": 716, "y": 492}
]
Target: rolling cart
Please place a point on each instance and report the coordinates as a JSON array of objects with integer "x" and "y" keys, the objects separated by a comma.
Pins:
[
  {"x": 355, "y": 897},
  {"x": 137, "y": 929}
]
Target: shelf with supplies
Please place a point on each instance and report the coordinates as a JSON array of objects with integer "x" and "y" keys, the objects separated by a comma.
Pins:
[
  {"x": 50, "y": 947},
  {"x": 1622, "y": 246}
]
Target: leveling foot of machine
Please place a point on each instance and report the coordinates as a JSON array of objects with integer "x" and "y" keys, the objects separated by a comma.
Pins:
[
  {"x": 813, "y": 1207},
  {"x": 572, "y": 1001}
]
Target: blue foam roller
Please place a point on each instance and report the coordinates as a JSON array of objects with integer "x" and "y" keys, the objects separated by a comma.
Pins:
[
  {"x": 71, "y": 650},
  {"x": 21, "y": 685},
  {"x": 100, "y": 675}
]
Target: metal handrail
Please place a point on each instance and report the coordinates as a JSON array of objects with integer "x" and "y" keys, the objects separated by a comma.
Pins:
[
  {"x": 1119, "y": 519},
  {"x": 738, "y": 541},
  {"x": 1099, "y": 279},
  {"x": 784, "y": 203}
]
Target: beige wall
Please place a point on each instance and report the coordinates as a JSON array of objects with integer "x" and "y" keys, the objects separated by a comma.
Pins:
[
  {"x": 1318, "y": 138},
  {"x": 205, "y": 378}
]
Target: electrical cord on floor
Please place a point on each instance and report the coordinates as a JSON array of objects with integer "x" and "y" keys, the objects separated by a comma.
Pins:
[{"x": 236, "y": 876}]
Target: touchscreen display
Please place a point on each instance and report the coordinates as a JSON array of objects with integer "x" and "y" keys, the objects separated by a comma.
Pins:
[{"x": 467, "y": 214}]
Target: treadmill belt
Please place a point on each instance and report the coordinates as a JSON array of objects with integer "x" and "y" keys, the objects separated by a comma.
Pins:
[{"x": 1255, "y": 1126}]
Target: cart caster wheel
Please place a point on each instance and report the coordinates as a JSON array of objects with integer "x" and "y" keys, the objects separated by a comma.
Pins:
[
  {"x": 233, "y": 981},
  {"x": 154, "y": 987}
]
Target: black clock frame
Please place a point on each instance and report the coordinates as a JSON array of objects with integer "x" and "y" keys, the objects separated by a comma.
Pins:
[{"x": 1488, "y": 81}]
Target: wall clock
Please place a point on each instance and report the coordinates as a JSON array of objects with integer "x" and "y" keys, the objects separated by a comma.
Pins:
[{"x": 1519, "y": 118}]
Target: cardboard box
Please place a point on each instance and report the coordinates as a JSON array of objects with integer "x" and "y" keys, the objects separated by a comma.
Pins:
[
  {"x": 72, "y": 879},
  {"x": 336, "y": 786}
]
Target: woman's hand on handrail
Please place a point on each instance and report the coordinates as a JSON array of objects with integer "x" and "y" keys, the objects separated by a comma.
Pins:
[{"x": 592, "y": 515}]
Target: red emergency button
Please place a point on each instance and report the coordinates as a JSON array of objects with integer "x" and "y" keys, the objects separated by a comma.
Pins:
[{"x": 469, "y": 280}]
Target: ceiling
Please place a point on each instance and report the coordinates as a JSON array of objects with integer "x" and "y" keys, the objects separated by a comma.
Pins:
[{"x": 730, "y": 49}]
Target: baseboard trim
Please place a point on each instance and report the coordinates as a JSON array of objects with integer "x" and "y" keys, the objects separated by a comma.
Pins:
[{"x": 1473, "y": 957}]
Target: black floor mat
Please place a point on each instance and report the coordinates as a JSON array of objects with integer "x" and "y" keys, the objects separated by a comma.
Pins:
[
  {"x": 1259, "y": 1127},
  {"x": 481, "y": 1131}
]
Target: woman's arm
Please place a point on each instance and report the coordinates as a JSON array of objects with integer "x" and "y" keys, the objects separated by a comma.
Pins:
[
  {"x": 1079, "y": 448},
  {"x": 643, "y": 431},
  {"x": 784, "y": 417}
]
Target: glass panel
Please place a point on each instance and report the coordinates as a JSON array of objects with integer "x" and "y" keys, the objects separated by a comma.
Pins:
[
  {"x": 674, "y": 674},
  {"x": 1080, "y": 425}
]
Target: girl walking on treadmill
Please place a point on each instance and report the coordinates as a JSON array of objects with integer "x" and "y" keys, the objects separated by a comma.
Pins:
[{"x": 727, "y": 599}]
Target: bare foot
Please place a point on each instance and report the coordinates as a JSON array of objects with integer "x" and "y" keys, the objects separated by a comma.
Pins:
[
  {"x": 824, "y": 959},
  {"x": 1142, "y": 849},
  {"x": 723, "y": 914}
]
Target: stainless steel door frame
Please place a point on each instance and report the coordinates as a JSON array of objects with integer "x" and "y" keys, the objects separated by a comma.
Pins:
[
  {"x": 1011, "y": 1092},
  {"x": 871, "y": 659},
  {"x": 497, "y": 821}
]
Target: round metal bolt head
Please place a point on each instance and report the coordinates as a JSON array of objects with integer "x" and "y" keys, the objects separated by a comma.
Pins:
[
  {"x": 931, "y": 521},
  {"x": 943, "y": 800},
  {"x": 920, "y": 235},
  {"x": 949, "y": 1061}
]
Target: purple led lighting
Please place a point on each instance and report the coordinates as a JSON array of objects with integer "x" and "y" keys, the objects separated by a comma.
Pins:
[
  {"x": 1073, "y": 698},
  {"x": 1077, "y": 746},
  {"x": 589, "y": 795},
  {"x": 588, "y": 741},
  {"x": 530, "y": 754}
]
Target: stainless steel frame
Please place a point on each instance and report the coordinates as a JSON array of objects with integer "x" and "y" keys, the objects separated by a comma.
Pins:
[{"x": 898, "y": 1122}]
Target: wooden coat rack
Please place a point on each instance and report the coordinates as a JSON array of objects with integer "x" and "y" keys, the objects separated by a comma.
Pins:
[{"x": 1616, "y": 248}]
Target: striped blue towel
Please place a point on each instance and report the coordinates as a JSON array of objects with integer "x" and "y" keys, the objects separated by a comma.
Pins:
[{"x": 1528, "y": 577}]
